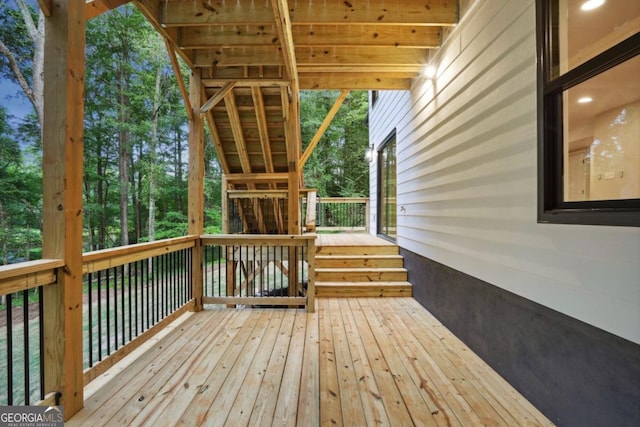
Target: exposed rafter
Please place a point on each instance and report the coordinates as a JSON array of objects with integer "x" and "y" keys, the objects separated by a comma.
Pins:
[
  {"x": 95, "y": 8},
  {"x": 217, "y": 97},
  {"x": 176, "y": 71}
]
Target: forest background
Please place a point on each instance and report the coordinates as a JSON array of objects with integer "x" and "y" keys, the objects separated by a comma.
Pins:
[{"x": 135, "y": 137}]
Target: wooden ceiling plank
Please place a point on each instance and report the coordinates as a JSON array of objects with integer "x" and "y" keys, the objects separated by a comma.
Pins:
[
  {"x": 323, "y": 127},
  {"x": 228, "y": 36},
  {"x": 235, "y": 57},
  {"x": 250, "y": 12},
  {"x": 217, "y": 97},
  {"x": 361, "y": 56},
  {"x": 95, "y": 8},
  {"x": 250, "y": 83},
  {"x": 240, "y": 12},
  {"x": 176, "y": 70},
  {"x": 258, "y": 178},
  {"x": 367, "y": 35},
  {"x": 353, "y": 81}
]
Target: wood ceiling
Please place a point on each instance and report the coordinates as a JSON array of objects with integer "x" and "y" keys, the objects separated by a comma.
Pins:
[{"x": 254, "y": 56}]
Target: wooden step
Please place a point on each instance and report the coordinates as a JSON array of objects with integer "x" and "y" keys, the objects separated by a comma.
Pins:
[
  {"x": 359, "y": 261},
  {"x": 358, "y": 250},
  {"x": 361, "y": 274},
  {"x": 363, "y": 289}
]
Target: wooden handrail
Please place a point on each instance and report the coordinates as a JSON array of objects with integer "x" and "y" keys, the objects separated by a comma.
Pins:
[
  {"x": 27, "y": 275},
  {"x": 114, "y": 257}
]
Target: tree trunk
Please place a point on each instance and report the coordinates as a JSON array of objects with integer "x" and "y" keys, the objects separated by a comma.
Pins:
[{"x": 153, "y": 156}]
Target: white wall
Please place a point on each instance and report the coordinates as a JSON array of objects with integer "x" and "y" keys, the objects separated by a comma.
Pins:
[{"x": 467, "y": 178}]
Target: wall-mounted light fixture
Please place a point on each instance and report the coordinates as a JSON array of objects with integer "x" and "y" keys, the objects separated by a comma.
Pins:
[
  {"x": 368, "y": 153},
  {"x": 429, "y": 72}
]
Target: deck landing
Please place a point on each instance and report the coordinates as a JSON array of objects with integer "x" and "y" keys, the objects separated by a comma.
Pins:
[{"x": 357, "y": 361}]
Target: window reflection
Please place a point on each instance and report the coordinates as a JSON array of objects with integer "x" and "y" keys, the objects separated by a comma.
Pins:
[
  {"x": 581, "y": 32},
  {"x": 602, "y": 136}
]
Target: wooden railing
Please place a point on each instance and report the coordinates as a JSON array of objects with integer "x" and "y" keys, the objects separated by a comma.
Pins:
[
  {"x": 131, "y": 293},
  {"x": 22, "y": 347}
]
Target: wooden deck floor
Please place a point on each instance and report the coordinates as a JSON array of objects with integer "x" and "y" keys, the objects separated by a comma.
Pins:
[
  {"x": 351, "y": 239},
  {"x": 356, "y": 362}
]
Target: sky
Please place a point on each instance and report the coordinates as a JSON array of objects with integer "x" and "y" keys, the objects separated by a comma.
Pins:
[{"x": 12, "y": 98}]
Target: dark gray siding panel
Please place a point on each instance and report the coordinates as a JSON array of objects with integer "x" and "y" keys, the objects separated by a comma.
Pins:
[{"x": 576, "y": 374}]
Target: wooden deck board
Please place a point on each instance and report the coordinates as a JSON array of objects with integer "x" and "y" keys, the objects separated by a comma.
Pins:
[{"x": 357, "y": 361}]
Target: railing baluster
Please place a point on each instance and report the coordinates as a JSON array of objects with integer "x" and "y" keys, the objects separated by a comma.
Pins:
[
  {"x": 108, "y": 283},
  {"x": 41, "y": 332},
  {"x": 25, "y": 327},
  {"x": 115, "y": 307},
  {"x": 129, "y": 301},
  {"x": 90, "y": 319},
  {"x": 99, "y": 316},
  {"x": 9, "y": 349},
  {"x": 122, "y": 305},
  {"x": 136, "y": 299}
]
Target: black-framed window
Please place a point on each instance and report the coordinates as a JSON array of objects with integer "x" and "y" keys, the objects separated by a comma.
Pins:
[
  {"x": 588, "y": 112},
  {"x": 387, "y": 188}
]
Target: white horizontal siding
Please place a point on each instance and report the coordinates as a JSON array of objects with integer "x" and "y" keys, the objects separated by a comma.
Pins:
[{"x": 467, "y": 178}]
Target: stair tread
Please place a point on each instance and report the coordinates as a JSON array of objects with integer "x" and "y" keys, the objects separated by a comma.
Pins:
[
  {"x": 359, "y": 269},
  {"x": 352, "y": 256},
  {"x": 363, "y": 284}
]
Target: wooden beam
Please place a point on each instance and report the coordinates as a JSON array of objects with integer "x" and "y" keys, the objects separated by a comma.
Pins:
[
  {"x": 234, "y": 57},
  {"x": 95, "y": 8},
  {"x": 45, "y": 7},
  {"x": 258, "y": 178},
  {"x": 213, "y": 128},
  {"x": 283, "y": 26},
  {"x": 366, "y": 35},
  {"x": 323, "y": 127},
  {"x": 217, "y": 97},
  {"x": 354, "y": 81},
  {"x": 236, "y": 129},
  {"x": 62, "y": 138},
  {"x": 258, "y": 104},
  {"x": 196, "y": 184},
  {"x": 251, "y": 83},
  {"x": 178, "y": 73},
  {"x": 338, "y": 12},
  {"x": 387, "y": 56}
]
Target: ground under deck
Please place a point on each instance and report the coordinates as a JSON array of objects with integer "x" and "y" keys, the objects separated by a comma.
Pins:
[{"x": 356, "y": 362}]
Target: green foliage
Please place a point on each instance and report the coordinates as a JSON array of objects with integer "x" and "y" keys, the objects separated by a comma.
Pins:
[
  {"x": 21, "y": 189},
  {"x": 337, "y": 167}
]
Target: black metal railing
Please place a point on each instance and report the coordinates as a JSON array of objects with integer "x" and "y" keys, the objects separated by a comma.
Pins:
[
  {"x": 259, "y": 269},
  {"x": 340, "y": 213},
  {"x": 21, "y": 348},
  {"x": 125, "y": 301}
]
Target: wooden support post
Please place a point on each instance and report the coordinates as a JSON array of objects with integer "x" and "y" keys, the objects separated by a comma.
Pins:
[
  {"x": 311, "y": 269},
  {"x": 310, "y": 218},
  {"x": 225, "y": 205},
  {"x": 367, "y": 211},
  {"x": 196, "y": 185},
  {"x": 62, "y": 134}
]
